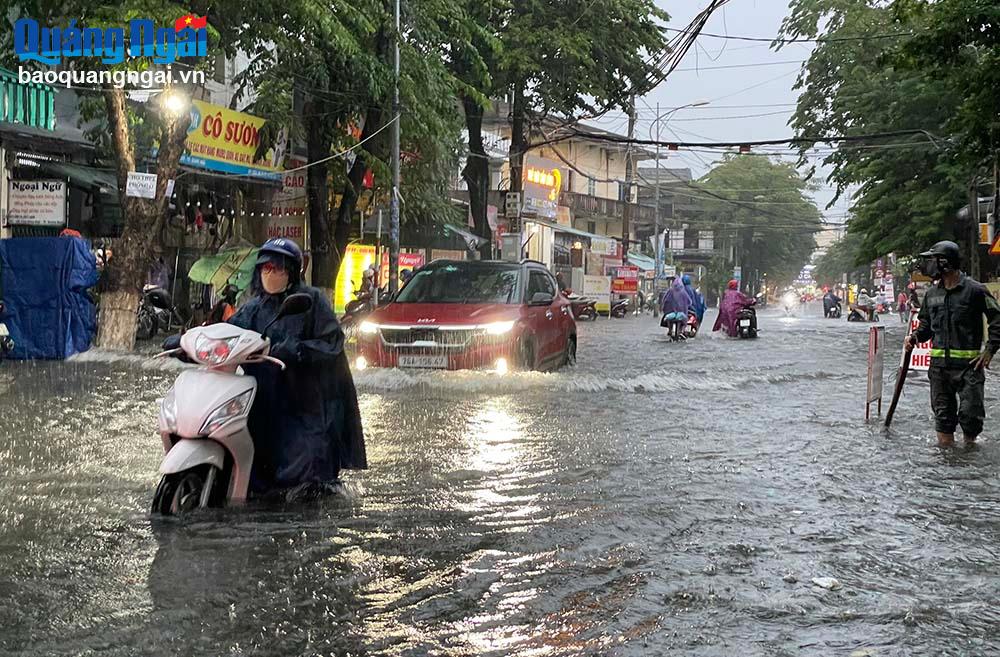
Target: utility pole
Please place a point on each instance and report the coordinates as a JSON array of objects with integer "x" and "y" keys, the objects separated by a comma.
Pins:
[
  {"x": 627, "y": 210},
  {"x": 656, "y": 218},
  {"x": 394, "y": 200}
]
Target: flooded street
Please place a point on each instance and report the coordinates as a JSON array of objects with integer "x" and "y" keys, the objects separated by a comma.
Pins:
[{"x": 658, "y": 498}]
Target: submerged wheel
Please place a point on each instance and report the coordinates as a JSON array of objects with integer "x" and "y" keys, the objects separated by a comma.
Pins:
[
  {"x": 588, "y": 314},
  {"x": 526, "y": 356},
  {"x": 570, "y": 357},
  {"x": 181, "y": 492}
]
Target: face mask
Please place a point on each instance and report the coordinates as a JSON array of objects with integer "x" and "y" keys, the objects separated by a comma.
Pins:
[{"x": 275, "y": 281}]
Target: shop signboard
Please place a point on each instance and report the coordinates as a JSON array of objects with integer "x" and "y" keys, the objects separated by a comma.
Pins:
[
  {"x": 140, "y": 185},
  {"x": 289, "y": 207},
  {"x": 224, "y": 140},
  {"x": 357, "y": 258},
  {"x": 625, "y": 280},
  {"x": 541, "y": 186},
  {"x": 599, "y": 289},
  {"x": 411, "y": 261},
  {"x": 36, "y": 203},
  {"x": 603, "y": 246}
]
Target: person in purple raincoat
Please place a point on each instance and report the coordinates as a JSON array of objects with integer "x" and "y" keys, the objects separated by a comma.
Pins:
[{"x": 733, "y": 301}]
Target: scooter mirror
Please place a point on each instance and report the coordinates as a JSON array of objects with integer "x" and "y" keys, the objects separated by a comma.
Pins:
[{"x": 295, "y": 304}]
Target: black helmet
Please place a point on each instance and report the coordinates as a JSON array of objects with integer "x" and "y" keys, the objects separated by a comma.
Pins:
[
  {"x": 944, "y": 249},
  {"x": 283, "y": 247}
]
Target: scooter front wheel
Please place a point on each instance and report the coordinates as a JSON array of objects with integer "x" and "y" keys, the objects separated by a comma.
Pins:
[{"x": 182, "y": 492}]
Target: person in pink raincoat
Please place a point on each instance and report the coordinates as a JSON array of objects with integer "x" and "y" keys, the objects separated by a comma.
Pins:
[{"x": 733, "y": 301}]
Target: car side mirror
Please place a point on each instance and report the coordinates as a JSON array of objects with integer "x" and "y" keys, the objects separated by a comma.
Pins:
[{"x": 542, "y": 299}]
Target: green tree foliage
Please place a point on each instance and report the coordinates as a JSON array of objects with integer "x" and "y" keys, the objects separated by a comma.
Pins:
[
  {"x": 959, "y": 48},
  {"x": 325, "y": 67},
  {"x": 763, "y": 206},
  {"x": 884, "y": 67}
]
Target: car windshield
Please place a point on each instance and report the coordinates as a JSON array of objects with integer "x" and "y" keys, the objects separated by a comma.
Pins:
[{"x": 463, "y": 283}]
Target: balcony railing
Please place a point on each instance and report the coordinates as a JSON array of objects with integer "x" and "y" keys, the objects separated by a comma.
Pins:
[
  {"x": 32, "y": 105},
  {"x": 605, "y": 207}
]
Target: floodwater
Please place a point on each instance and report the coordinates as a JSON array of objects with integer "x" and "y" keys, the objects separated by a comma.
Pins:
[{"x": 656, "y": 499}]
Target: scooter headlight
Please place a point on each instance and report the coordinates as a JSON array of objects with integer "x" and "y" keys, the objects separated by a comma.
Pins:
[
  {"x": 168, "y": 412},
  {"x": 235, "y": 408}
]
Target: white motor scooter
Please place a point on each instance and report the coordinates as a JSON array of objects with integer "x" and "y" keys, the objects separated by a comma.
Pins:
[{"x": 203, "y": 418}]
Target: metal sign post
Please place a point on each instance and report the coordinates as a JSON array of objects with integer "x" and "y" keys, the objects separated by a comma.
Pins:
[{"x": 876, "y": 367}]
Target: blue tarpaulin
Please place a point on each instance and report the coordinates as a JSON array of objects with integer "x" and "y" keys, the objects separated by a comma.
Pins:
[{"x": 43, "y": 284}]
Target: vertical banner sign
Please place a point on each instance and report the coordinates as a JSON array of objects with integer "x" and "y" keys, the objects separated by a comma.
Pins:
[
  {"x": 921, "y": 358},
  {"x": 876, "y": 366},
  {"x": 599, "y": 289}
]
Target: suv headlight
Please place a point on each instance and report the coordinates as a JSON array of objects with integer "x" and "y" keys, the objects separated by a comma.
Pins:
[
  {"x": 368, "y": 328},
  {"x": 234, "y": 408},
  {"x": 168, "y": 411},
  {"x": 499, "y": 328}
]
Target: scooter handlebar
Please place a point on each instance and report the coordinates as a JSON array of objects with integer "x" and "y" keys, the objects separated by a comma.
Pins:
[{"x": 266, "y": 359}]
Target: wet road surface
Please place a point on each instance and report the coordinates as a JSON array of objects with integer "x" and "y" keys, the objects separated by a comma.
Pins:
[{"x": 656, "y": 499}]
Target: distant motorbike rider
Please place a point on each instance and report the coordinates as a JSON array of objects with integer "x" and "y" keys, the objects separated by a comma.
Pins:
[
  {"x": 305, "y": 420},
  {"x": 864, "y": 305},
  {"x": 951, "y": 316},
  {"x": 697, "y": 300},
  {"x": 733, "y": 301},
  {"x": 830, "y": 301},
  {"x": 675, "y": 305}
]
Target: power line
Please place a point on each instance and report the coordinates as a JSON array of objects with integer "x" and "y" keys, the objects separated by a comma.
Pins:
[
  {"x": 727, "y": 66},
  {"x": 867, "y": 37}
]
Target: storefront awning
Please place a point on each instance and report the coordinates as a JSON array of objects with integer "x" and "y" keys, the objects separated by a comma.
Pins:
[
  {"x": 560, "y": 228},
  {"x": 642, "y": 262},
  {"x": 82, "y": 176}
]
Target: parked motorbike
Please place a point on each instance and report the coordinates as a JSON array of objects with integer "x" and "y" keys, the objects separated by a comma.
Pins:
[
  {"x": 6, "y": 342},
  {"x": 620, "y": 307},
  {"x": 362, "y": 306},
  {"x": 203, "y": 418},
  {"x": 584, "y": 308},
  {"x": 156, "y": 313},
  {"x": 746, "y": 322}
]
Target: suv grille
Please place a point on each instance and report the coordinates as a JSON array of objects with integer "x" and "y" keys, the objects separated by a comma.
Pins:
[{"x": 453, "y": 339}]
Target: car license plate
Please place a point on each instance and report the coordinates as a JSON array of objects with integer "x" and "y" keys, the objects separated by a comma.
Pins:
[
  {"x": 744, "y": 322},
  {"x": 408, "y": 360}
]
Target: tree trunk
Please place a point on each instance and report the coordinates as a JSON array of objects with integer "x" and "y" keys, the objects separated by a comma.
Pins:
[
  {"x": 518, "y": 138},
  {"x": 324, "y": 260},
  {"x": 477, "y": 174},
  {"x": 132, "y": 252}
]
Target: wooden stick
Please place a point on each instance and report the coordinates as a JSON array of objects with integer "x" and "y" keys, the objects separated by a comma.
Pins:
[{"x": 904, "y": 367}]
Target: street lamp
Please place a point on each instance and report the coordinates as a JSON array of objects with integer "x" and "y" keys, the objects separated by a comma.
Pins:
[
  {"x": 175, "y": 103},
  {"x": 656, "y": 216}
]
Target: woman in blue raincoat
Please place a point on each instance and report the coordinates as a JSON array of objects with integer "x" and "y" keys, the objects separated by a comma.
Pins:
[
  {"x": 697, "y": 300},
  {"x": 305, "y": 420}
]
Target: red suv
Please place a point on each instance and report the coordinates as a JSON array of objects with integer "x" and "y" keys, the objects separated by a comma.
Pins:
[{"x": 456, "y": 314}]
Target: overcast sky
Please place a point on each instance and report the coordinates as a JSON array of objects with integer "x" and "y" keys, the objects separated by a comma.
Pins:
[{"x": 750, "y": 99}]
